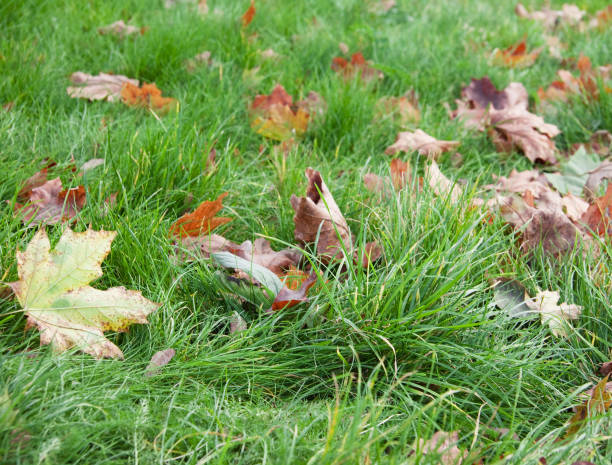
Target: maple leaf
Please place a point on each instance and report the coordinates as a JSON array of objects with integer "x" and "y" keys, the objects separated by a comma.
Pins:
[
  {"x": 202, "y": 220},
  {"x": 516, "y": 56},
  {"x": 404, "y": 110},
  {"x": 443, "y": 446},
  {"x": 54, "y": 293},
  {"x": 551, "y": 314},
  {"x": 319, "y": 219},
  {"x": 422, "y": 142},
  {"x": 275, "y": 116},
  {"x": 101, "y": 87},
  {"x": 569, "y": 14},
  {"x": 248, "y": 15},
  {"x": 147, "y": 96},
  {"x": 358, "y": 66},
  {"x": 50, "y": 203},
  {"x": 575, "y": 172},
  {"x": 600, "y": 401},
  {"x": 121, "y": 30},
  {"x": 262, "y": 253},
  {"x": 598, "y": 216}
]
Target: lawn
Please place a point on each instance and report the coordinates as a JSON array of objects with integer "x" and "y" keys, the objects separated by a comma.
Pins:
[{"x": 380, "y": 357}]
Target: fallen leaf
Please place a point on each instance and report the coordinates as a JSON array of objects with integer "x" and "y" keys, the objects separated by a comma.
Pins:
[
  {"x": 288, "y": 298},
  {"x": 440, "y": 184},
  {"x": 422, "y": 142},
  {"x": 400, "y": 173},
  {"x": 269, "y": 54},
  {"x": 158, "y": 360},
  {"x": 509, "y": 295},
  {"x": 605, "y": 369},
  {"x": 101, "y": 87},
  {"x": 203, "y": 58},
  {"x": 8, "y": 106},
  {"x": 375, "y": 183},
  {"x": 275, "y": 116},
  {"x": 380, "y": 7},
  {"x": 598, "y": 216},
  {"x": 404, "y": 110},
  {"x": 91, "y": 164},
  {"x": 555, "y": 46},
  {"x": 203, "y": 246},
  {"x": 343, "y": 48},
  {"x": 121, "y": 30},
  {"x": 54, "y": 294},
  {"x": 575, "y": 172},
  {"x": 569, "y": 14},
  {"x": 237, "y": 323},
  {"x": 262, "y": 253},
  {"x": 203, "y": 7},
  {"x": 147, "y": 96},
  {"x": 50, "y": 203},
  {"x": 516, "y": 56},
  {"x": 358, "y": 66},
  {"x": 600, "y": 143},
  {"x": 602, "y": 18},
  {"x": 600, "y": 401},
  {"x": 521, "y": 181},
  {"x": 443, "y": 446},
  {"x": 249, "y": 14},
  {"x": 36, "y": 180},
  {"x": 596, "y": 176},
  {"x": 314, "y": 104},
  {"x": 202, "y": 220},
  {"x": 551, "y": 314}
]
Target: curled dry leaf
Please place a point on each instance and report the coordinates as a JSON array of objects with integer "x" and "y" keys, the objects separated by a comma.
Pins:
[
  {"x": 50, "y": 203},
  {"x": 516, "y": 56},
  {"x": 552, "y": 314},
  {"x": 248, "y": 15},
  {"x": 568, "y": 14},
  {"x": 158, "y": 360},
  {"x": 404, "y": 110},
  {"x": 121, "y": 30},
  {"x": 422, "y": 142},
  {"x": 275, "y": 116},
  {"x": 262, "y": 253},
  {"x": 598, "y": 216},
  {"x": 54, "y": 293},
  {"x": 443, "y": 445},
  {"x": 596, "y": 176},
  {"x": 201, "y": 221},
  {"x": 288, "y": 297},
  {"x": 147, "y": 96},
  {"x": 598, "y": 404},
  {"x": 101, "y": 87},
  {"x": 440, "y": 184},
  {"x": 358, "y": 66},
  {"x": 574, "y": 172}
]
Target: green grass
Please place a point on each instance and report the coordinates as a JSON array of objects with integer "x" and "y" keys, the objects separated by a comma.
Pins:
[{"x": 378, "y": 357}]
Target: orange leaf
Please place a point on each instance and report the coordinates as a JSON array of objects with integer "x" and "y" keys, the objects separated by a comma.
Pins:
[
  {"x": 200, "y": 221},
  {"x": 288, "y": 298},
  {"x": 599, "y": 215},
  {"x": 516, "y": 55},
  {"x": 358, "y": 66},
  {"x": 147, "y": 96},
  {"x": 248, "y": 16}
]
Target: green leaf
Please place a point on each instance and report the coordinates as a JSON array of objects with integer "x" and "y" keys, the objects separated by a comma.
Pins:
[{"x": 575, "y": 172}]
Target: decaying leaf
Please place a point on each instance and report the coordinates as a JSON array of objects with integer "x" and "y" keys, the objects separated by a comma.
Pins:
[
  {"x": 375, "y": 183},
  {"x": 516, "y": 56},
  {"x": 552, "y": 314},
  {"x": 440, "y": 184},
  {"x": 596, "y": 176},
  {"x": 248, "y": 15},
  {"x": 598, "y": 216},
  {"x": 443, "y": 445},
  {"x": 568, "y": 14},
  {"x": 598, "y": 404},
  {"x": 50, "y": 203},
  {"x": 422, "y": 142},
  {"x": 91, "y": 164},
  {"x": 158, "y": 360},
  {"x": 261, "y": 252},
  {"x": 101, "y": 87},
  {"x": 203, "y": 246},
  {"x": 237, "y": 323},
  {"x": 147, "y": 96},
  {"x": 358, "y": 66},
  {"x": 380, "y": 7},
  {"x": 54, "y": 293},
  {"x": 121, "y": 30},
  {"x": 202, "y": 220},
  {"x": 509, "y": 295},
  {"x": 275, "y": 116},
  {"x": 522, "y": 181},
  {"x": 403, "y": 110},
  {"x": 575, "y": 172},
  {"x": 288, "y": 297},
  {"x": 203, "y": 58}
]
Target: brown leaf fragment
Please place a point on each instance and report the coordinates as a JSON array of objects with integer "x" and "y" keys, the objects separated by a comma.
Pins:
[
  {"x": 313, "y": 104},
  {"x": 237, "y": 324},
  {"x": 202, "y": 220},
  {"x": 317, "y": 216},
  {"x": 516, "y": 56},
  {"x": 605, "y": 369},
  {"x": 8, "y": 106},
  {"x": 147, "y": 96},
  {"x": 602, "y": 19},
  {"x": 201, "y": 59},
  {"x": 203, "y": 246},
  {"x": 521, "y": 181},
  {"x": 91, "y": 164},
  {"x": 276, "y": 117},
  {"x": 262, "y": 254},
  {"x": 596, "y": 176},
  {"x": 600, "y": 401},
  {"x": 36, "y": 180},
  {"x": 443, "y": 445},
  {"x": 598, "y": 216},
  {"x": 375, "y": 183},
  {"x": 101, "y": 87},
  {"x": 371, "y": 253},
  {"x": 404, "y": 110},
  {"x": 400, "y": 173},
  {"x": 555, "y": 315},
  {"x": 248, "y": 15},
  {"x": 288, "y": 298},
  {"x": 203, "y": 7},
  {"x": 158, "y": 360},
  {"x": 440, "y": 184},
  {"x": 422, "y": 142},
  {"x": 568, "y": 14},
  {"x": 121, "y": 30},
  {"x": 51, "y": 204},
  {"x": 358, "y": 66}
]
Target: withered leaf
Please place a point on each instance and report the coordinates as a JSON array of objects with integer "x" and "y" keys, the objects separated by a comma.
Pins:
[
  {"x": 556, "y": 316},
  {"x": 358, "y": 66},
  {"x": 443, "y": 445},
  {"x": 521, "y": 181},
  {"x": 440, "y": 184},
  {"x": 158, "y": 360},
  {"x": 147, "y": 96},
  {"x": 598, "y": 216},
  {"x": 203, "y": 246},
  {"x": 262, "y": 253},
  {"x": 202, "y": 220},
  {"x": 600, "y": 401},
  {"x": 422, "y": 142},
  {"x": 248, "y": 15},
  {"x": 101, "y": 87},
  {"x": 568, "y": 14},
  {"x": 288, "y": 297},
  {"x": 516, "y": 56},
  {"x": 400, "y": 173},
  {"x": 597, "y": 175},
  {"x": 404, "y": 110},
  {"x": 121, "y": 30}
]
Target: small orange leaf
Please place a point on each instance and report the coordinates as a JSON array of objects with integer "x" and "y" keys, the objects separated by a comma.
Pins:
[
  {"x": 358, "y": 66},
  {"x": 202, "y": 220},
  {"x": 276, "y": 117},
  {"x": 289, "y": 298},
  {"x": 147, "y": 96},
  {"x": 249, "y": 14},
  {"x": 599, "y": 215},
  {"x": 516, "y": 55}
]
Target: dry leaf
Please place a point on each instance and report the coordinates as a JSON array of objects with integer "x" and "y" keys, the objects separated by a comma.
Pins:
[
  {"x": 440, "y": 184},
  {"x": 551, "y": 314},
  {"x": 596, "y": 176},
  {"x": 53, "y": 290},
  {"x": 203, "y": 7},
  {"x": 101, "y": 87},
  {"x": 262, "y": 253},
  {"x": 400, "y": 173},
  {"x": 569, "y": 14},
  {"x": 343, "y": 48},
  {"x": 50, "y": 203},
  {"x": 158, "y": 360},
  {"x": 598, "y": 404},
  {"x": 555, "y": 46},
  {"x": 203, "y": 58},
  {"x": 443, "y": 445},
  {"x": 248, "y": 15},
  {"x": 598, "y": 216},
  {"x": 288, "y": 298},
  {"x": 358, "y": 66},
  {"x": 202, "y": 246},
  {"x": 237, "y": 323},
  {"x": 422, "y": 142},
  {"x": 91, "y": 164},
  {"x": 375, "y": 183},
  {"x": 147, "y": 96},
  {"x": 202, "y": 220},
  {"x": 521, "y": 181},
  {"x": 275, "y": 116},
  {"x": 516, "y": 56},
  {"x": 121, "y": 30},
  {"x": 380, "y": 7},
  {"x": 314, "y": 104},
  {"x": 404, "y": 110},
  {"x": 269, "y": 54}
]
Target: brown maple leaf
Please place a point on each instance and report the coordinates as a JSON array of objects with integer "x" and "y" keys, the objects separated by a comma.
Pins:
[
  {"x": 261, "y": 252},
  {"x": 147, "y": 96},
  {"x": 440, "y": 184},
  {"x": 358, "y": 66},
  {"x": 202, "y": 220},
  {"x": 599, "y": 403},
  {"x": 275, "y": 116},
  {"x": 121, "y": 30},
  {"x": 248, "y": 15},
  {"x": 422, "y": 142},
  {"x": 101, "y": 87},
  {"x": 598, "y": 216},
  {"x": 516, "y": 56},
  {"x": 50, "y": 203}
]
